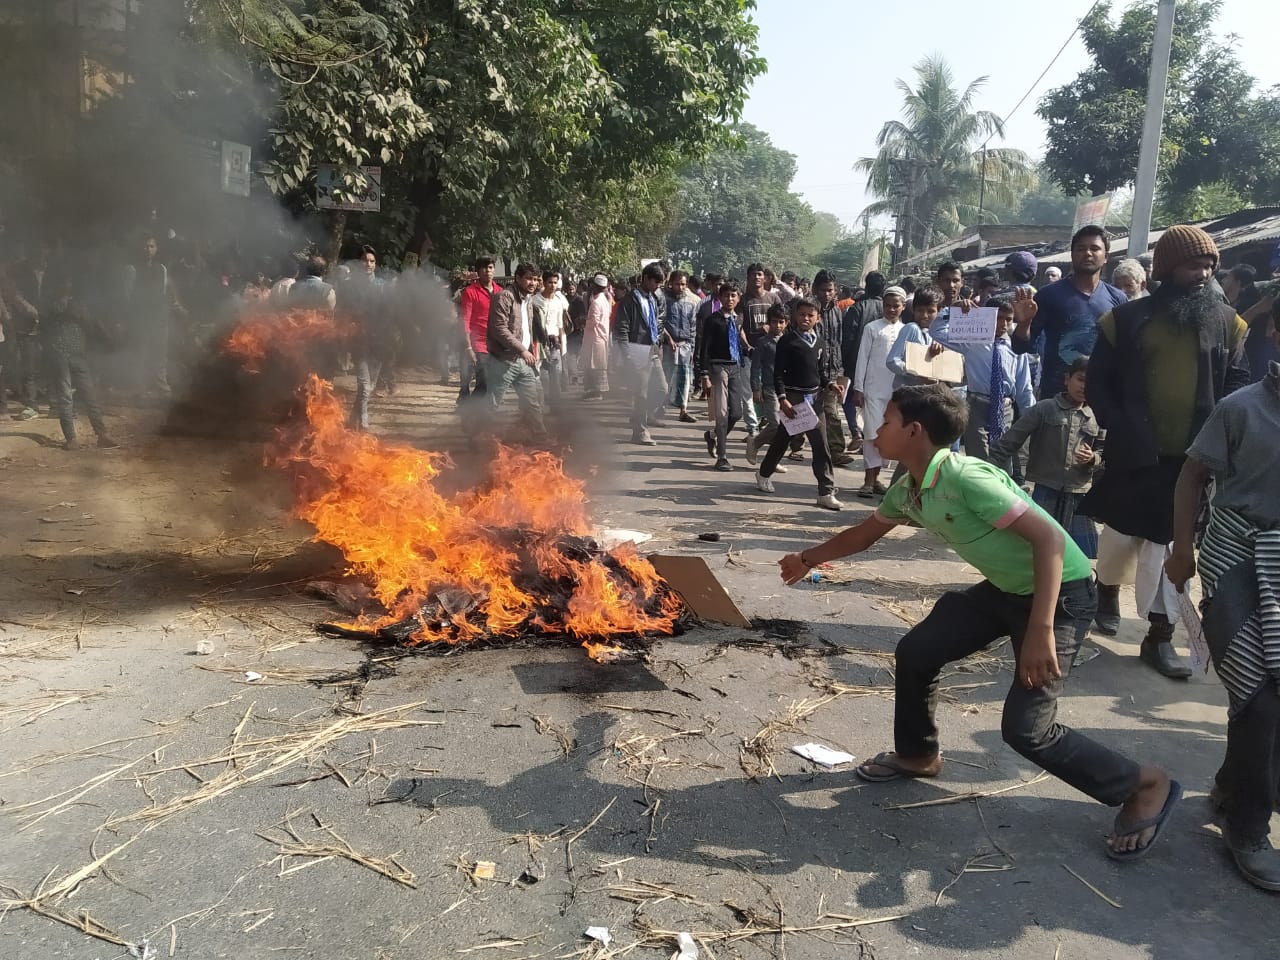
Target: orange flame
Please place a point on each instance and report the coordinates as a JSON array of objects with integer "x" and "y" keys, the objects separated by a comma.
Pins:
[
  {"x": 378, "y": 503},
  {"x": 290, "y": 333}
]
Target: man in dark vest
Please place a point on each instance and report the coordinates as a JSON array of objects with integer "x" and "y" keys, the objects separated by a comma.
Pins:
[{"x": 1159, "y": 367}]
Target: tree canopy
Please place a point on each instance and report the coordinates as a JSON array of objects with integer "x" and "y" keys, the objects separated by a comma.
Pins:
[
  {"x": 930, "y": 166},
  {"x": 1218, "y": 148}
]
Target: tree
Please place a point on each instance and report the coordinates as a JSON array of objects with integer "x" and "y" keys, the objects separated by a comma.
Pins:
[
  {"x": 1212, "y": 121},
  {"x": 931, "y": 169},
  {"x": 736, "y": 207},
  {"x": 490, "y": 119}
]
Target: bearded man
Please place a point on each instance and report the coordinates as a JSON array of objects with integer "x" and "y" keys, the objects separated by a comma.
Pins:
[{"x": 1159, "y": 367}]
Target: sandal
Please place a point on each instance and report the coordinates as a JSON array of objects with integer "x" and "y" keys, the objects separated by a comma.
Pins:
[
  {"x": 889, "y": 760},
  {"x": 796, "y": 455},
  {"x": 866, "y": 491},
  {"x": 1158, "y": 821}
]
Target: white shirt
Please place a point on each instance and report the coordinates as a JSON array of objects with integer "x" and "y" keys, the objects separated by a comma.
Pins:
[
  {"x": 554, "y": 312},
  {"x": 526, "y": 330}
]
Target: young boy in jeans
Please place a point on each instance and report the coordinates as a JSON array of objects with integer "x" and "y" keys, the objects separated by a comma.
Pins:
[{"x": 1038, "y": 591}]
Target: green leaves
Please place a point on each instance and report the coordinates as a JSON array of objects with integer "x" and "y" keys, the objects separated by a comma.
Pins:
[{"x": 1218, "y": 136}]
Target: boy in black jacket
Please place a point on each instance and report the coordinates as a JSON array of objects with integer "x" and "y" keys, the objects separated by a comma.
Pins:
[
  {"x": 718, "y": 354},
  {"x": 799, "y": 376}
]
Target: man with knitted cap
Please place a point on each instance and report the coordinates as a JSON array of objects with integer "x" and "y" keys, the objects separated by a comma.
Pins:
[{"x": 1159, "y": 366}]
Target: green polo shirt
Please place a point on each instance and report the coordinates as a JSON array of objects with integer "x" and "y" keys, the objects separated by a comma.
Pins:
[{"x": 970, "y": 504}]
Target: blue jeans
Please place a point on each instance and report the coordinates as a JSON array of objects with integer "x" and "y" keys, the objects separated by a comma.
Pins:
[
  {"x": 367, "y": 370},
  {"x": 550, "y": 371}
]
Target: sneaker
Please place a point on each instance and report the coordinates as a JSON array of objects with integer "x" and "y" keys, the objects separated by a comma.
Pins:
[
  {"x": 828, "y": 501},
  {"x": 642, "y": 437},
  {"x": 106, "y": 443},
  {"x": 751, "y": 451},
  {"x": 723, "y": 465},
  {"x": 710, "y": 438},
  {"x": 764, "y": 484},
  {"x": 687, "y": 417},
  {"x": 779, "y": 469}
]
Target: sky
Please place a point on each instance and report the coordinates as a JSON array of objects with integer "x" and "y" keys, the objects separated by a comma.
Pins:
[{"x": 839, "y": 59}]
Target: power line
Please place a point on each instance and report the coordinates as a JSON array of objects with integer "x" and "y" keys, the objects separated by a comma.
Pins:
[{"x": 1031, "y": 89}]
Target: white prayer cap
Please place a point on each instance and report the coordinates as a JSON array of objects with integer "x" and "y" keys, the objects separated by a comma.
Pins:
[{"x": 895, "y": 292}]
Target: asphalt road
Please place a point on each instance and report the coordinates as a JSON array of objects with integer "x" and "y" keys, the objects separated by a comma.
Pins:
[{"x": 337, "y": 807}]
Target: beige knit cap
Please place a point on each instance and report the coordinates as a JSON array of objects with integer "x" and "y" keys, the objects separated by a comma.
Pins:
[{"x": 1178, "y": 245}]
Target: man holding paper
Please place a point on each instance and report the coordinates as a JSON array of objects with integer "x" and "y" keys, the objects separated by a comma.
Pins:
[
  {"x": 971, "y": 332},
  {"x": 800, "y": 376}
]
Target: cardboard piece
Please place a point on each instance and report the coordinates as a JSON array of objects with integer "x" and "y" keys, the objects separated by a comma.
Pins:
[
  {"x": 693, "y": 580},
  {"x": 948, "y": 366}
]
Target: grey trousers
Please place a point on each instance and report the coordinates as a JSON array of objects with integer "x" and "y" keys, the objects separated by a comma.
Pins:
[
  {"x": 502, "y": 375},
  {"x": 964, "y": 622},
  {"x": 976, "y": 439},
  {"x": 727, "y": 392},
  {"x": 72, "y": 383}
]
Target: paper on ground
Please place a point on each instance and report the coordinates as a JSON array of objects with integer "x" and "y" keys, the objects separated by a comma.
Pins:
[
  {"x": 688, "y": 949},
  {"x": 1195, "y": 632},
  {"x": 609, "y": 537},
  {"x": 823, "y": 755},
  {"x": 804, "y": 420},
  {"x": 599, "y": 933}
]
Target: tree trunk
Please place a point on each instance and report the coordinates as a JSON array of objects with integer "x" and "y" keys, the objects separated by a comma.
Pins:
[
  {"x": 426, "y": 201},
  {"x": 335, "y": 227}
]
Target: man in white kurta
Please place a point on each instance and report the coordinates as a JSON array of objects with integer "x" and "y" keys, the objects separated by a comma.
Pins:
[{"x": 873, "y": 383}]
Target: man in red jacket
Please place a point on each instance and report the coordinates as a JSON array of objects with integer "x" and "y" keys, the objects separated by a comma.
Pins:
[{"x": 474, "y": 309}]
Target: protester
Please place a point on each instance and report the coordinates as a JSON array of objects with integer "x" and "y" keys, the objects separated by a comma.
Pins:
[
  {"x": 1052, "y": 274},
  {"x": 924, "y": 310},
  {"x": 1130, "y": 276},
  {"x": 1065, "y": 443},
  {"x": 1260, "y": 348},
  {"x": 1069, "y": 309},
  {"x": 63, "y": 331},
  {"x": 364, "y": 300},
  {"x": 830, "y": 332},
  {"x": 800, "y": 377},
  {"x": 21, "y": 347},
  {"x": 993, "y": 390},
  {"x": 637, "y": 323},
  {"x": 763, "y": 392},
  {"x": 864, "y": 311},
  {"x": 550, "y": 324},
  {"x": 718, "y": 354},
  {"x": 1240, "y": 581},
  {"x": 1020, "y": 268},
  {"x": 312, "y": 292},
  {"x": 679, "y": 333},
  {"x": 284, "y": 282},
  {"x": 1240, "y": 287},
  {"x": 476, "y": 304},
  {"x": 593, "y": 357},
  {"x": 1037, "y": 591},
  {"x": 873, "y": 382},
  {"x": 1159, "y": 367},
  {"x": 510, "y": 363},
  {"x": 152, "y": 302}
]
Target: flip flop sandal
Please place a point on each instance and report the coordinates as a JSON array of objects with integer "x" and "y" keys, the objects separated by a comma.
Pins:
[
  {"x": 887, "y": 759},
  {"x": 796, "y": 455},
  {"x": 1158, "y": 821}
]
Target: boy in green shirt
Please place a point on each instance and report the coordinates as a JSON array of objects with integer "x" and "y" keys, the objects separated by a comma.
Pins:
[{"x": 1038, "y": 591}]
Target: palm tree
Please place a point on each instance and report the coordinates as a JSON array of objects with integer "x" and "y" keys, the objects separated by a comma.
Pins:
[{"x": 933, "y": 167}]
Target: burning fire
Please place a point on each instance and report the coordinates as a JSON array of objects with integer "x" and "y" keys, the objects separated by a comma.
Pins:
[
  {"x": 291, "y": 333},
  {"x": 500, "y": 559}
]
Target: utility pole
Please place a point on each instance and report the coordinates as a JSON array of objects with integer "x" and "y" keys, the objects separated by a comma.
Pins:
[{"x": 1144, "y": 188}]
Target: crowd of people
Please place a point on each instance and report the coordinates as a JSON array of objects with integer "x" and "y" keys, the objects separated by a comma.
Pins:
[{"x": 1093, "y": 414}]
